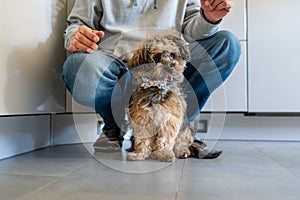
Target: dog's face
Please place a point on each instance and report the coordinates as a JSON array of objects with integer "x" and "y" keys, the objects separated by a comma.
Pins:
[{"x": 160, "y": 57}]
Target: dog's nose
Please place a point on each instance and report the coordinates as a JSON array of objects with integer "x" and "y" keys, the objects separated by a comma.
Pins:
[{"x": 174, "y": 63}]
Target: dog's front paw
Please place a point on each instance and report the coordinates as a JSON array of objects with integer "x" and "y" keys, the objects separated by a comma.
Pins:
[
  {"x": 164, "y": 155},
  {"x": 132, "y": 156}
]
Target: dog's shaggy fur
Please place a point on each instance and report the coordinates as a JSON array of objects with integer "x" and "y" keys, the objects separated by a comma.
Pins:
[{"x": 157, "y": 109}]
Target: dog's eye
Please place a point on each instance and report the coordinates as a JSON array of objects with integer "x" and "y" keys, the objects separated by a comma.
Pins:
[
  {"x": 172, "y": 56},
  {"x": 157, "y": 58}
]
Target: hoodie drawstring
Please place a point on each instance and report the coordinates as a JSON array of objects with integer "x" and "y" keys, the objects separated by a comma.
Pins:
[{"x": 155, "y": 4}]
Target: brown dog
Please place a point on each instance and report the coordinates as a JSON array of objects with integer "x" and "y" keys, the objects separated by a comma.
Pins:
[{"x": 157, "y": 107}]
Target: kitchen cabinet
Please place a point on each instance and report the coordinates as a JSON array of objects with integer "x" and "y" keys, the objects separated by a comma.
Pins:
[
  {"x": 274, "y": 67},
  {"x": 232, "y": 95},
  {"x": 31, "y": 56}
]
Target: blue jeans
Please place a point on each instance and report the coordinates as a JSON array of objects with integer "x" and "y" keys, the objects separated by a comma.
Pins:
[{"x": 94, "y": 78}]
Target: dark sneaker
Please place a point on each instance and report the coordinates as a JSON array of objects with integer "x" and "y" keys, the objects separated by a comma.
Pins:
[
  {"x": 108, "y": 141},
  {"x": 200, "y": 150}
]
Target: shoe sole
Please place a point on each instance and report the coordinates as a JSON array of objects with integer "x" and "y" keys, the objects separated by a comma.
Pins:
[{"x": 198, "y": 150}]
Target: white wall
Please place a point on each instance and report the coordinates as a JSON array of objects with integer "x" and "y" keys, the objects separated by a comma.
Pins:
[{"x": 32, "y": 53}]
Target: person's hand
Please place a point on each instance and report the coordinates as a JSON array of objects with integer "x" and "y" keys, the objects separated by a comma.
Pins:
[
  {"x": 85, "y": 39},
  {"x": 215, "y": 10}
]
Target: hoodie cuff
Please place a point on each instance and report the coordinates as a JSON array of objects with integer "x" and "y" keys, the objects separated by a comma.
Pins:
[{"x": 68, "y": 35}]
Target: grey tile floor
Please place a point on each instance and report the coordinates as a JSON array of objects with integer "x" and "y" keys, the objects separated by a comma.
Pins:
[{"x": 246, "y": 170}]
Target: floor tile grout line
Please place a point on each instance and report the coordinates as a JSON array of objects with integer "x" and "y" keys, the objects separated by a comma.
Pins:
[
  {"x": 45, "y": 176},
  {"x": 78, "y": 168},
  {"x": 180, "y": 176},
  {"x": 54, "y": 181},
  {"x": 278, "y": 163},
  {"x": 39, "y": 189},
  {"x": 32, "y": 176}
]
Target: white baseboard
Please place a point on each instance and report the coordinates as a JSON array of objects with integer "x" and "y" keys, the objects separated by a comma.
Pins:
[
  {"x": 270, "y": 128},
  {"x": 21, "y": 134},
  {"x": 78, "y": 128},
  {"x": 74, "y": 128}
]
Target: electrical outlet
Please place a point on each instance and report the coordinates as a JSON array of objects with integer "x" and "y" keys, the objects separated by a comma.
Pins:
[{"x": 200, "y": 126}]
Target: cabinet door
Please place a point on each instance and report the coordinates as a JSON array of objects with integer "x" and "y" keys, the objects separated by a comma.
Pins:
[
  {"x": 236, "y": 20},
  {"x": 274, "y": 69},
  {"x": 32, "y": 53},
  {"x": 232, "y": 96}
]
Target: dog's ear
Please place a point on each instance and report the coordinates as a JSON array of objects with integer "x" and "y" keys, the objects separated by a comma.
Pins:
[
  {"x": 135, "y": 59},
  {"x": 183, "y": 46},
  {"x": 139, "y": 57},
  {"x": 185, "y": 51}
]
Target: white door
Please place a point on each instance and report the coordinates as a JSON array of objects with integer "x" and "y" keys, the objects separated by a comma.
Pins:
[
  {"x": 232, "y": 96},
  {"x": 274, "y": 67}
]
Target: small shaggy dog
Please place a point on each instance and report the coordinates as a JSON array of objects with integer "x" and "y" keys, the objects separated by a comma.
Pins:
[{"x": 157, "y": 107}]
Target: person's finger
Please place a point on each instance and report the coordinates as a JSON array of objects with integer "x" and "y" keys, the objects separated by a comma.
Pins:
[
  {"x": 227, "y": 5},
  {"x": 77, "y": 46},
  {"x": 100, "y": 34},
  {"x": 86, "y": 41},
  {"x": 209, "y": 2},
  {"x": 207, "y": 5},
  {"x": 88, "y": 33}
]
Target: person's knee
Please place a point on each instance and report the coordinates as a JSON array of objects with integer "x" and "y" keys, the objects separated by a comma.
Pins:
[
  {"x": 230, "y": 43},
  {"x": 94, "y": 65},
  {"x": 70, "y": 69},
  {"x": 231, "y": 48},
  {"x": 229, "y": 40}
]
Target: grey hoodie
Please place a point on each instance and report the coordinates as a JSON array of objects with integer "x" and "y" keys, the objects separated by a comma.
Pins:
[{"x": 127, "y": 22}]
